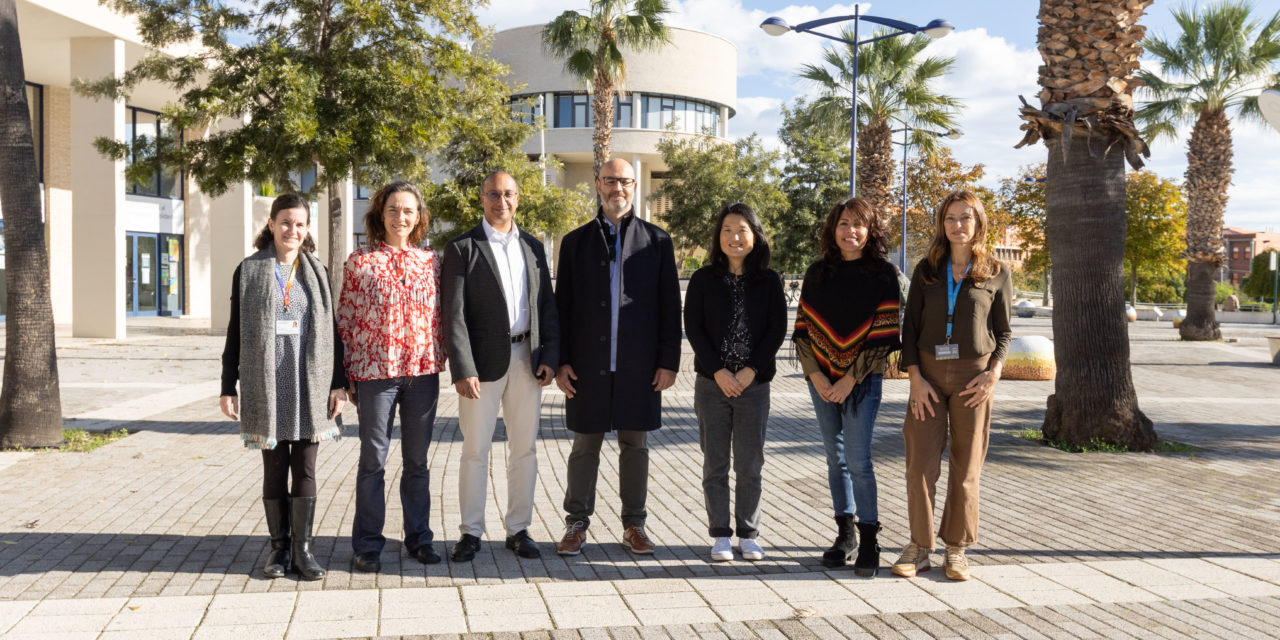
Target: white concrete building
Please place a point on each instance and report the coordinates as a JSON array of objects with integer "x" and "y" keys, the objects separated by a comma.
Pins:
[
  {"x": 691, "y": 83},
  {"x": 162, "y": 247}
]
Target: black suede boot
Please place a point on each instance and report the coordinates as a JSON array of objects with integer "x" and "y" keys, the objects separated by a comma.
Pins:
[
  {"x": 302, "y": 516},
  {"x": 278, "y": 528},
  {"x": 868, "y": 561},
  {"x": 841, "y": 550}
]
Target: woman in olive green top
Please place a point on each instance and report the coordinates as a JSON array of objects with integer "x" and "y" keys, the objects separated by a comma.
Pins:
[{"x": 954, "y": 339}]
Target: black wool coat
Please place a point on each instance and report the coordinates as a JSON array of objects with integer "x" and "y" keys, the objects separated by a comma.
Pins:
[{"x": 648, "y": 325}]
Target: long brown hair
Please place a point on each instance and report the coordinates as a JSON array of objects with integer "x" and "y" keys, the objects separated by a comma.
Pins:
[
  {"x": 376, "y": 231},
  {"x": 984, "y": 265},
  {"x": 286, "y": 201},
  {"x": 877, "y": 246}
]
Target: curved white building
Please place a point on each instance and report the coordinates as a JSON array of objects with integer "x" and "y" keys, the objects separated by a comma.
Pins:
[{"x": 691, "y": 84}]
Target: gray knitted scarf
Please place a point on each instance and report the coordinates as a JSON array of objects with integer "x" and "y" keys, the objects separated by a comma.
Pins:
[{"x": 258, "y": 288}]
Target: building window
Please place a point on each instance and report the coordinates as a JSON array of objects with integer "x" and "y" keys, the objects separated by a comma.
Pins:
[
  {"x": 35, "y": 105},
  {"x": 574, "y": 110},
  {"x": 687, "y": 116},
  {"x": 622, "y": 112},
  {"x": 140, "y": 127},
  {"x": 526, "y": 109}
]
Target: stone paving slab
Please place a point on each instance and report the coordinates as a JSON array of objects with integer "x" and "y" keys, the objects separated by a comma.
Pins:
[{"x": 1097, "y": 545}]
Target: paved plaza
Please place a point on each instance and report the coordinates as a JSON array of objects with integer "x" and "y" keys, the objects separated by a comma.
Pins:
[{"x": 161, "y": 534}]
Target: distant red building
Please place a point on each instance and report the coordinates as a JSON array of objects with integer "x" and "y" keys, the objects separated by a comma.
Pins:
[{"x": 1241, "y": 246}]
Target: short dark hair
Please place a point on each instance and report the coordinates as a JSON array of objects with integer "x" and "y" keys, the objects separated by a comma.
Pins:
[
  {"x": 286, "y": 201},
  {"x": 756, "y": 264},
  {"x": 375, "y": 231}
]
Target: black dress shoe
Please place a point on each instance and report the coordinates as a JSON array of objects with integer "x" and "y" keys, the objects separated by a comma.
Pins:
[
  {"x": 426, "y": 554},
  {"x": 367, "y": 562},
  {"x": 466, "y": 548},
  {"x": 523, "y": 545}
]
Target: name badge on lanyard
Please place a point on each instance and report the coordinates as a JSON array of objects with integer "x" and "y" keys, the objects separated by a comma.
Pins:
[
  {"x": 287, "y": 327},
  {"x": 950, "y": 351}
]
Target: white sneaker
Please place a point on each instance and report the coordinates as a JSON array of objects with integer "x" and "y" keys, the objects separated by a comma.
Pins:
[
  {"x": 722, "y": 550},
  {"x": 750, "y": 550}
]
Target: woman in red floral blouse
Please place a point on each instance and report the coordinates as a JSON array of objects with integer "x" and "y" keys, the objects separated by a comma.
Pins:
[{"x": 389, "y": 318}]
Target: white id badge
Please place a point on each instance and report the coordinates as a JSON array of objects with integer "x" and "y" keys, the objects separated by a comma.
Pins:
[
  {"x": 947, "y": 352},
  {"x": 287, "y": 328}
]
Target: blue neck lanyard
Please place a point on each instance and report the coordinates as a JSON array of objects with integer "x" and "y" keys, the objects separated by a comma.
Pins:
[{"x": 953, "y": 292}]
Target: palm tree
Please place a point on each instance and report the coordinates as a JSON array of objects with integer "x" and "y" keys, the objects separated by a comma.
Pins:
[
  {"x": 893, "y": 84},
  {"x": 1217, "y": 64},
  {"x": 30, "y": 402},
  {"x": 1090, "y": 52},
  {"x": 591, "y": 45}
]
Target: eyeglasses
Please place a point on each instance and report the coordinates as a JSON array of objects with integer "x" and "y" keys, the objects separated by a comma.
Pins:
[
  {"x": 498, "y": 195},
  {"x": 618, "y": 182}
]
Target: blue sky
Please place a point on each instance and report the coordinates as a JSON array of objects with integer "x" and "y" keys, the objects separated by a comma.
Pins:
[{"x": 994, "y": 46}]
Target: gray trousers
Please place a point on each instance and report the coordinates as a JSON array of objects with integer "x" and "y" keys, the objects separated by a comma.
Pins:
[
  {"x": 731, "y": 425},
  {"x": 584, "y": 469}
]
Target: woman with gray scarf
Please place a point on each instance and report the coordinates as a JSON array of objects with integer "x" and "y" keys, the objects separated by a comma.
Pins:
[{"x": 283, "y": 348}]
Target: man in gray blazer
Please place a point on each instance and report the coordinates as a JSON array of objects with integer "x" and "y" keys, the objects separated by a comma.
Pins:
[{"x": 503, "y": 341}]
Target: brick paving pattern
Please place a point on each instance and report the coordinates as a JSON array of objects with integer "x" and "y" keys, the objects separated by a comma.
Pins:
[{"x": 161, "y": 534}]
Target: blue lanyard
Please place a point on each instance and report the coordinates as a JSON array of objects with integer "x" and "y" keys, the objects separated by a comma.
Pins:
[{"x": 953, "y": 292}]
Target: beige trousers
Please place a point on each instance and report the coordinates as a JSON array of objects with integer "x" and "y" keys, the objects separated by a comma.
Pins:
[
  {"x": 520, "y": 397},
  {"x": 969, "y": 430}
]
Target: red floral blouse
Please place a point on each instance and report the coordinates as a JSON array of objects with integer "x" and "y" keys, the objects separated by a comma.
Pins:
[{"x": 389, "y": 313}]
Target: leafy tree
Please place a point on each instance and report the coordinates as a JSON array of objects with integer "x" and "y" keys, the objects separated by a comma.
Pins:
[
  {"x": 370, "y": 88},
  {"x": 1022, "y": 199},
  {"x": 930, "y": 178},
  {"x": 591, "y": 44},
  {"x": 1260, "y": 281},
  {"x": 1216, "y": 64},
  {"x": 705, "y": 173},
  {"x": 895, "y": 82},
  {"x": 1156, "y": 220},
  {"x": 30, "y": 400},
  {"x": 814, "y": 179},
  {"x": 1091, "y": 55}
]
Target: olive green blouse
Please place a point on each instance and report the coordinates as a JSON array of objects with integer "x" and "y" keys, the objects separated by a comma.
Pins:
[{"x": 980, "y": 325}]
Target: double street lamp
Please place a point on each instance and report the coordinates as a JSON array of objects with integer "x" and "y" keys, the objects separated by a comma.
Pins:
[
  {"x": 776, "y": 26},
  {"x": 906, "y": 142}
]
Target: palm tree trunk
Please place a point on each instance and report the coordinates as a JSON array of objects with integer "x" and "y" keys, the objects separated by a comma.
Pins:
[
  {"x": 1093, "y": 394},
  {"x": 602, "y": 112},
  {"x": 875, "y": 167},
  {"x": 338, "y": 248},
  {"x": 30, "y": 401},
  {"x": 1208, "y": 177}
]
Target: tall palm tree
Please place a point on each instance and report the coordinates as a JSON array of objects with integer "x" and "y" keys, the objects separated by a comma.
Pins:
[
  {"x": 591, "y": 45},
  {"x": 1090, "y": 50},
  {"x": 894, "y": 84},
  {"x": 30, "y": 403},
  {"x": 1216, "y": 64}
]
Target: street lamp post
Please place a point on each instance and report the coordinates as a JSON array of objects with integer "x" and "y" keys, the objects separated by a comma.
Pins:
[
  {"x": 906, "y": 142},
  {"x": 776, "y": 26}
]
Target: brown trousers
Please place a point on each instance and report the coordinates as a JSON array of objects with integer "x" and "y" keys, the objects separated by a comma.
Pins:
[{"x": 970, "y": 430}]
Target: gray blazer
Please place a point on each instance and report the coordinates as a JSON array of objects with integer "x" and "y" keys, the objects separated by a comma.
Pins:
[{"x": 477, "y": 333}]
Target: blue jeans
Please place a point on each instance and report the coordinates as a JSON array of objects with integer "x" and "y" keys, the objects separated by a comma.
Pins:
[
  {"x": 846, "y": 436},
  {"x": 417, "y": 398}
]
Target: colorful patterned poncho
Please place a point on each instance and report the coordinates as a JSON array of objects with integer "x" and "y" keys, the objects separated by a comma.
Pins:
[{"x": 848, "y": 316}]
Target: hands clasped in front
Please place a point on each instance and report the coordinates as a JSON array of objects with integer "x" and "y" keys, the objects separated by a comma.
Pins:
[{"x": 923, "y": 396}]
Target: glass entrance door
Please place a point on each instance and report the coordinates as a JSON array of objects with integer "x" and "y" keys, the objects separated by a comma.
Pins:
[{"x": 153, "y": 274}]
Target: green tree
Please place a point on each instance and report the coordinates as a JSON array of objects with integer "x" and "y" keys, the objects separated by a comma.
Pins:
[
  {"x": 591, "y": 45},
  {"x": 1214, "y": 66},
  {"x": 895, "y": 82},
  {"x": 1260, "y": 281},
  {"x": 705, "y": 173},
  {"x": 814, "y": 179},
  {"x": 364, "y": 88},
  {"x": 1156, "y": 220},
  {"x": 1021, "y": 197},
  {"x": 1091, "y": 55},
  {"x": 30, "y": 400}
]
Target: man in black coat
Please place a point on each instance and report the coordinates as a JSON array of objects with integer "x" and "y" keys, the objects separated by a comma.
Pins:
[
  {"x": 503, "y": 340},
  {"x": 619, "y": 301}
]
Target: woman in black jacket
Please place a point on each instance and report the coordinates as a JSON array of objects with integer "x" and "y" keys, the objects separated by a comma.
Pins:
[{"x": 735, "y": 316}]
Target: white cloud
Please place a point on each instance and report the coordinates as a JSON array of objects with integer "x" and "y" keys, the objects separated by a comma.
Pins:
[{"x": 762, "y": 115}]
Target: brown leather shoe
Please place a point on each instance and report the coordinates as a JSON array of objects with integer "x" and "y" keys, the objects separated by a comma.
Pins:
[
  {"x": 570, "y": 544},
  {"x": 636, "y": 541}
]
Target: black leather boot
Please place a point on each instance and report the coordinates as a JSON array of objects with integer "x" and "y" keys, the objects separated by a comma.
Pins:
[
  {"x": 841, "y": 550},
  {"x": 868, "y": 561},
  {"x": 302, "y": 516},
  {"x": 278, "y": 528}
]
